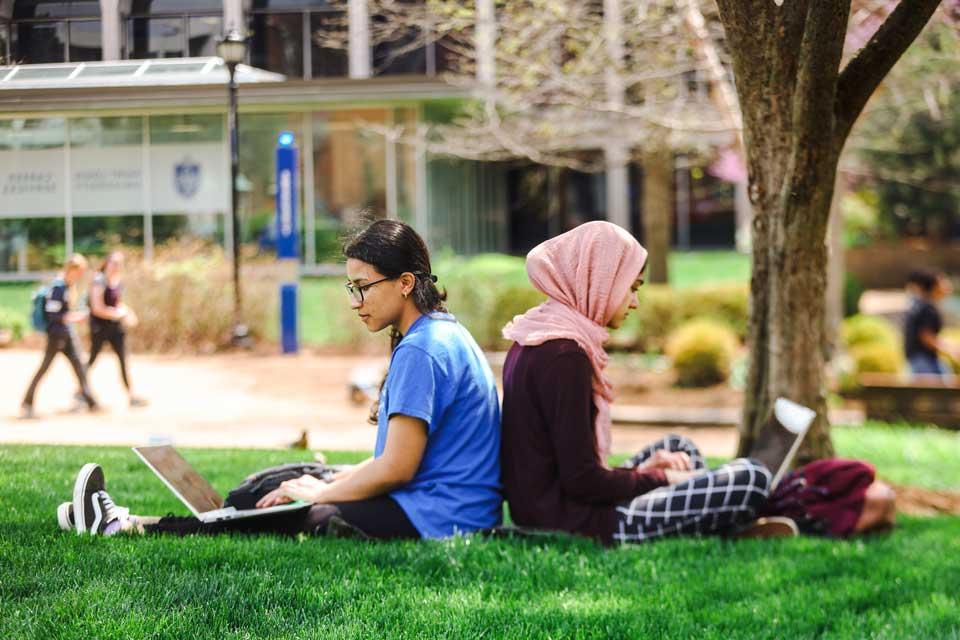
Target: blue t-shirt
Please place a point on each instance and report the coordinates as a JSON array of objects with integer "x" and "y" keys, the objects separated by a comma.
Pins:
[{"x": 439, "y": 375}]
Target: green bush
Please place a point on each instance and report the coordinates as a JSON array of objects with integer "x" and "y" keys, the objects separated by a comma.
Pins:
[
  {"x": 876, "y": 358},
  {"x": 861, "y": 330},
  {"x": 662, "y": 309},
  {"x": 184, "y": 298},
  {"x": 14, "y": 323},
  {"x": 702, "y": 352}
]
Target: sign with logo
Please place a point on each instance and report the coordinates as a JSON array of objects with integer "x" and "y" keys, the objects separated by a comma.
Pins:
[
  {"x": 187, "y": 178},
  {"x": 110, "y": 180}
]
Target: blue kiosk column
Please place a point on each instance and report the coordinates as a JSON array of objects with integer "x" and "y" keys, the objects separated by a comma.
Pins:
[{"x": 288, "y": 241}]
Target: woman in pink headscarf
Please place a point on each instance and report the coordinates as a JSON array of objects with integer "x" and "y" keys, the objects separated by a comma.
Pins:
[{"x": 556, "y": 411}]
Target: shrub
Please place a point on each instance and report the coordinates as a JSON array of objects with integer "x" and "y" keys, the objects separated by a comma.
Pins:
[
  {"x": 184, "y": 298},
  {"x": 702, "y": 351},
  {"x": 662, "y": 309},
  {"x": 861, "y": 330},
  {"x": 876, "y": 358},
  {"x": 14, "y": 323}
]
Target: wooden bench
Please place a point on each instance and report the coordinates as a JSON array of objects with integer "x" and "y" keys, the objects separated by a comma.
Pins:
[{"x": 920, "y": 399}]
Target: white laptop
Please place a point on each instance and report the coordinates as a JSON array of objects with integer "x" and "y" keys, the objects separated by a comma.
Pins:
[
  {"x": 780, "y": 438},
  {"x": 194, "y": 491}
]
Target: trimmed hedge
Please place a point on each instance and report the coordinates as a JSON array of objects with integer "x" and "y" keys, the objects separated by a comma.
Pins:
[{"x": 702, "y": 352}]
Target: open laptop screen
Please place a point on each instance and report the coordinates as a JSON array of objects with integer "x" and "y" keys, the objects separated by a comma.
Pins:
[
  {"x": 181, "y": 478},
  {"x": 781, "y": 436}
]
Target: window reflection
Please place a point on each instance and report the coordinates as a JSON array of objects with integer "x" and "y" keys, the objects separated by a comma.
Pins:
[
  {"x": 85, "y": 41},
  {"x": 38, "y": 42},
  {"x": 204, "y": 31},
  {"x": 277, "y": 43},
  {"x": 155, "y": 38}
]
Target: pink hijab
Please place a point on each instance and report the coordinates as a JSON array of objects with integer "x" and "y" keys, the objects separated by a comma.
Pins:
[{"x": 586, "y": 273}]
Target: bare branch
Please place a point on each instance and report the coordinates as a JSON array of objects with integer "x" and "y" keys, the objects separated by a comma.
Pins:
[{"x": 864, "y": 73}]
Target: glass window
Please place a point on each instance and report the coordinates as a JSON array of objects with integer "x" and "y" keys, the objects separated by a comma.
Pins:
[
  {"x": 186, "y": 128},
  {"x": 393, "y": 58},
  {"x": 349, "y": 165},
  {"x": 286, "y": 5},
  {"x": 256, "y": 183},
  {"x": 204, "y": 31},
  {"x": 32, "y": 133},
  {"x": 94, "y": 236},
  {"x": 106, "y": 132},
  {"x": 39, "y": 42},
  {"x": 31, "y": 244},
  {"x": 325, "y": 61},
  {"x": 4, "y": 39},
  {"x": 406, "y": 117},
  {"x": 155, "y": 38},
  {"x": 85, "y": 41},
  {"x": 277, "y": 42},
  {"x": 207, "y": 226},
  {"x": 26, "y": 9},
  {"x": 154, "y": 7},
  {"x": 32, "y": 167}
]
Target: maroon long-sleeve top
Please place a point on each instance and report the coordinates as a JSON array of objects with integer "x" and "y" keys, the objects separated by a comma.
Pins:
[{"x": 551, "y": 471}]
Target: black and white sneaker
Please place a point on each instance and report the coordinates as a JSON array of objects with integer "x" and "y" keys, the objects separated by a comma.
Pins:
[
  {"x": 108, "y": 518},
  {"x": 89, "y": 482},
  {"x": 65, "y": 515}
]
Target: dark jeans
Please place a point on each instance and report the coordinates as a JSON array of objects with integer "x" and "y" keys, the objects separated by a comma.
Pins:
[
  {"x": 381, "y": 518},
  {"x": 61, "y": 342},
  {"x": 104, "y": 332}
]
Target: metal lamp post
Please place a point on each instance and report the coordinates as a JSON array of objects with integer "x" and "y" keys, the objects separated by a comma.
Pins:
[{"x": 232, "y": 49}]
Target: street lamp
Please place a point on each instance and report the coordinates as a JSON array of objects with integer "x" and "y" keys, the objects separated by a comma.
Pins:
[{"x": 232, "y": 49}]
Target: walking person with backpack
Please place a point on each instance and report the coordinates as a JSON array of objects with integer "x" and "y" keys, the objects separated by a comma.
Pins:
[
  {"x": 52, "y": 313},
  {"x": 109, "y": 318}
]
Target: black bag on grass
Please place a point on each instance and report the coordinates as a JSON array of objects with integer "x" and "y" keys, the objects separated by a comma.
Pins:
[{"x": 263, "y": 482}]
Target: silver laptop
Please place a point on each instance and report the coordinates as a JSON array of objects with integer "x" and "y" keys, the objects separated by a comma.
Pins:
[
  {"x": 780, "y": 438},
  {"x": 194, "y": 491}
]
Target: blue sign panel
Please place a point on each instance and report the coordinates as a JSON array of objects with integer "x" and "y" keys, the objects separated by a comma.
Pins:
[
  {"x": 289, "y": 342},
  {"x": 288, "y": 241},
  {"x": 288, "y": 245}
]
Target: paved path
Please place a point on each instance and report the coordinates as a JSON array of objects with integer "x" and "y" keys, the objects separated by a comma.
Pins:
[{"x": 228, "y": 400}]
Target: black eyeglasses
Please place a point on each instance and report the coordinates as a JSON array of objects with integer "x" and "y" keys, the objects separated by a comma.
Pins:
[{"x": 355, "y": 291}]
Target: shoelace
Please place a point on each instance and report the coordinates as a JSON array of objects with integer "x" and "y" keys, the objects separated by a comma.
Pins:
[{"x": 110, "y": 509}]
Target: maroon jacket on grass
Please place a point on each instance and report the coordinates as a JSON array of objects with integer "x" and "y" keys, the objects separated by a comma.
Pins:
[{"x": 552, "y": 475}]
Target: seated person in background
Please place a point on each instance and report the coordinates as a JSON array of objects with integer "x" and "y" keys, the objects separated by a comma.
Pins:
[
  {"x": 556, "y": 412},
  {"x": 922, "y": 344}
]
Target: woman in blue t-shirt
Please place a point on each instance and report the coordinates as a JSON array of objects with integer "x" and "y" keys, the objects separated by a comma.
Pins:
[{"x": 435, "y": 471}]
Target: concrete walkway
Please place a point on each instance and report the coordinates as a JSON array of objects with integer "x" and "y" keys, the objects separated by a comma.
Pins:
[{"x": 247, "y": 400}]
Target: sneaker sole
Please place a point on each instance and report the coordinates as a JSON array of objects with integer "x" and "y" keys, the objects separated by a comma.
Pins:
[
  {"x": 79, "y": 489},
  {"x": 65, "y": 516}
]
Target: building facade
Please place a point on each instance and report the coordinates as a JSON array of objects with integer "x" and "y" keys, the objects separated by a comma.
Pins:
[{"x": 113, "y": 129}]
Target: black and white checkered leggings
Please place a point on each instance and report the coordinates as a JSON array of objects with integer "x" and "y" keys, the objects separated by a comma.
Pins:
[{"x": 714, "y": 502}]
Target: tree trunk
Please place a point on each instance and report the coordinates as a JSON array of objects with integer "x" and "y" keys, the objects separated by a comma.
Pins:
[
  {"x": 798, "y": 109},
  {"x": 787, "y": 336},
  {"x": 656, "y": 211}
]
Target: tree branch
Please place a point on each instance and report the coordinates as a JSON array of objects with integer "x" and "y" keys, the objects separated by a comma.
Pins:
[{"x": 864, "y": 73}]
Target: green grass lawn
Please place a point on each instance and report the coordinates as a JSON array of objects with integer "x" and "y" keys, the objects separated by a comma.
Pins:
[{"x": 57, "y": 585}]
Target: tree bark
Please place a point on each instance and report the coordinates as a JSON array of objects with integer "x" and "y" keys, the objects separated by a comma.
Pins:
[
  {"x": 656, "y": 212},
  {"x": 798, "y": 110}
]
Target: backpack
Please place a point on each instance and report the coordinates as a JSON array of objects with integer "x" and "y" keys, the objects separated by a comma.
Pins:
[
  {"x": 263, "y": 482},
  {"x": 38, "y": 304},
  {"x": 824, "y": 497}
]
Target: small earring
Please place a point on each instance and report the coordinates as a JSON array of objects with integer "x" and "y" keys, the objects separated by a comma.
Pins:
[{"x": 405, "y": 295}]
